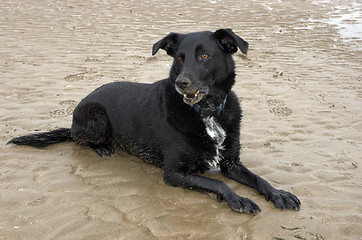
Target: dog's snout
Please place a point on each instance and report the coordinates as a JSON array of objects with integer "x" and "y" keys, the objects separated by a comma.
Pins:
[{"x": 182, "y": 82}]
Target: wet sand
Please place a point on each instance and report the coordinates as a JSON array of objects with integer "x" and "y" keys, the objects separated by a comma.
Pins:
[{"x": 299, "y": 86}]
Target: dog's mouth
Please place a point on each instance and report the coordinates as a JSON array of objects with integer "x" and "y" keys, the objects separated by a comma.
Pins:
[{"x": 192, "y": 98}]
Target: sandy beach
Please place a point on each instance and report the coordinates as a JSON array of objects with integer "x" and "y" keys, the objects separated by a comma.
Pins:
[{"x": 299, "y": 86}]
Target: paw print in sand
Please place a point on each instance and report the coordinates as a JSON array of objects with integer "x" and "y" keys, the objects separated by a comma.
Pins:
[
  {"x": 66, "y": 109},
  {"x": 278, "y": 108}
]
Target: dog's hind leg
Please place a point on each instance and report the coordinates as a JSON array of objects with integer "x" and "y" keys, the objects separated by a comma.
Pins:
[{"x": 91, "y": 127}]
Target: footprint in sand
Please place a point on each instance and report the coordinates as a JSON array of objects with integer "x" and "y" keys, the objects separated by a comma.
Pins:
[
  {"x": 87, "y": 76},
  {"x": 74, "y": 77},
  {"x": 278, "y": 108},
  {"x": 66, "y": 109},
  {"x": 154, "y": 59}
]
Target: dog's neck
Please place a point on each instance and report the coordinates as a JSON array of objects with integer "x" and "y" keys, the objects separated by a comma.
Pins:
[{"x": 210, "y": 107}]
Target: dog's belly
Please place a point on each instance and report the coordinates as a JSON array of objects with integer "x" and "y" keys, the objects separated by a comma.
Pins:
[
  {"x": 150, "y": 153},
  {"x": 218, "y": 135}
]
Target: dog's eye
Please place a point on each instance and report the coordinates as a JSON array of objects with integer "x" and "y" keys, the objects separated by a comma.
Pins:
[
  {"x": 180, "y": 58},
  {"x": 204, "y": 55}
]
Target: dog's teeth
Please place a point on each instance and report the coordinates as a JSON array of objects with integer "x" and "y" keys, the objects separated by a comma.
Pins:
[{"x": 191, "y": 95}]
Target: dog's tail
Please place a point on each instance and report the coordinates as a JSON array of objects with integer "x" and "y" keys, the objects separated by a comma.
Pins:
[{"x": 44, "y": 139}]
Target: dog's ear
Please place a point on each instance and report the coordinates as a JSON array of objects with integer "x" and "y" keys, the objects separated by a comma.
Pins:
[
  {"x": 167, "y": 43},
  {"x": 229, "y": 41}
]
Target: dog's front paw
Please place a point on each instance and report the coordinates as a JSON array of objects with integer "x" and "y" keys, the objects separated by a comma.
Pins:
[
  {"x": 242, "y": 205},
  {"x": 283, "y": 199}
]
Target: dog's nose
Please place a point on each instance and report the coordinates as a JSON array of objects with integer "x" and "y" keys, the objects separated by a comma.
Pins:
[{"x": 182, "y": 82}]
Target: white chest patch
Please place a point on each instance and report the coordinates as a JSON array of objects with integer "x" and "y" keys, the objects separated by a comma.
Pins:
[{"x": 218, "y": 134}]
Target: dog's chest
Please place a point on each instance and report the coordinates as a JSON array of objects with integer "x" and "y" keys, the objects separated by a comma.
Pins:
[{"x": 218, "y": 135}]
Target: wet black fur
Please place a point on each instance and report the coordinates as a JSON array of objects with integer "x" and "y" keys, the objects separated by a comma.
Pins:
[{"x": 153, "y": 121}]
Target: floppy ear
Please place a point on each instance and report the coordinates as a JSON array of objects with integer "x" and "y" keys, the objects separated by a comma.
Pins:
[
  {"x": 229, "y": 41},
  {"x": 167, "y": 43}
]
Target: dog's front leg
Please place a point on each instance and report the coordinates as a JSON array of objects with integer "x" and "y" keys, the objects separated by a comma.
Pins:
[
  {"x": 238, "y": 172},
  {"x": 204, "y": 184}
]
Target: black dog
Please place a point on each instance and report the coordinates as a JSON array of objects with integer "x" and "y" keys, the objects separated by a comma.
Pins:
[{"x": 186, "y": 124}]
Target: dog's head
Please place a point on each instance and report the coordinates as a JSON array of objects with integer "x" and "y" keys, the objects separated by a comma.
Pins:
[{"x": 202, "y": 61}]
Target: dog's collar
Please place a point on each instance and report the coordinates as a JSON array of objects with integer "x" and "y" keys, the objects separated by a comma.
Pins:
[{"x": 209, "y": 111}]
